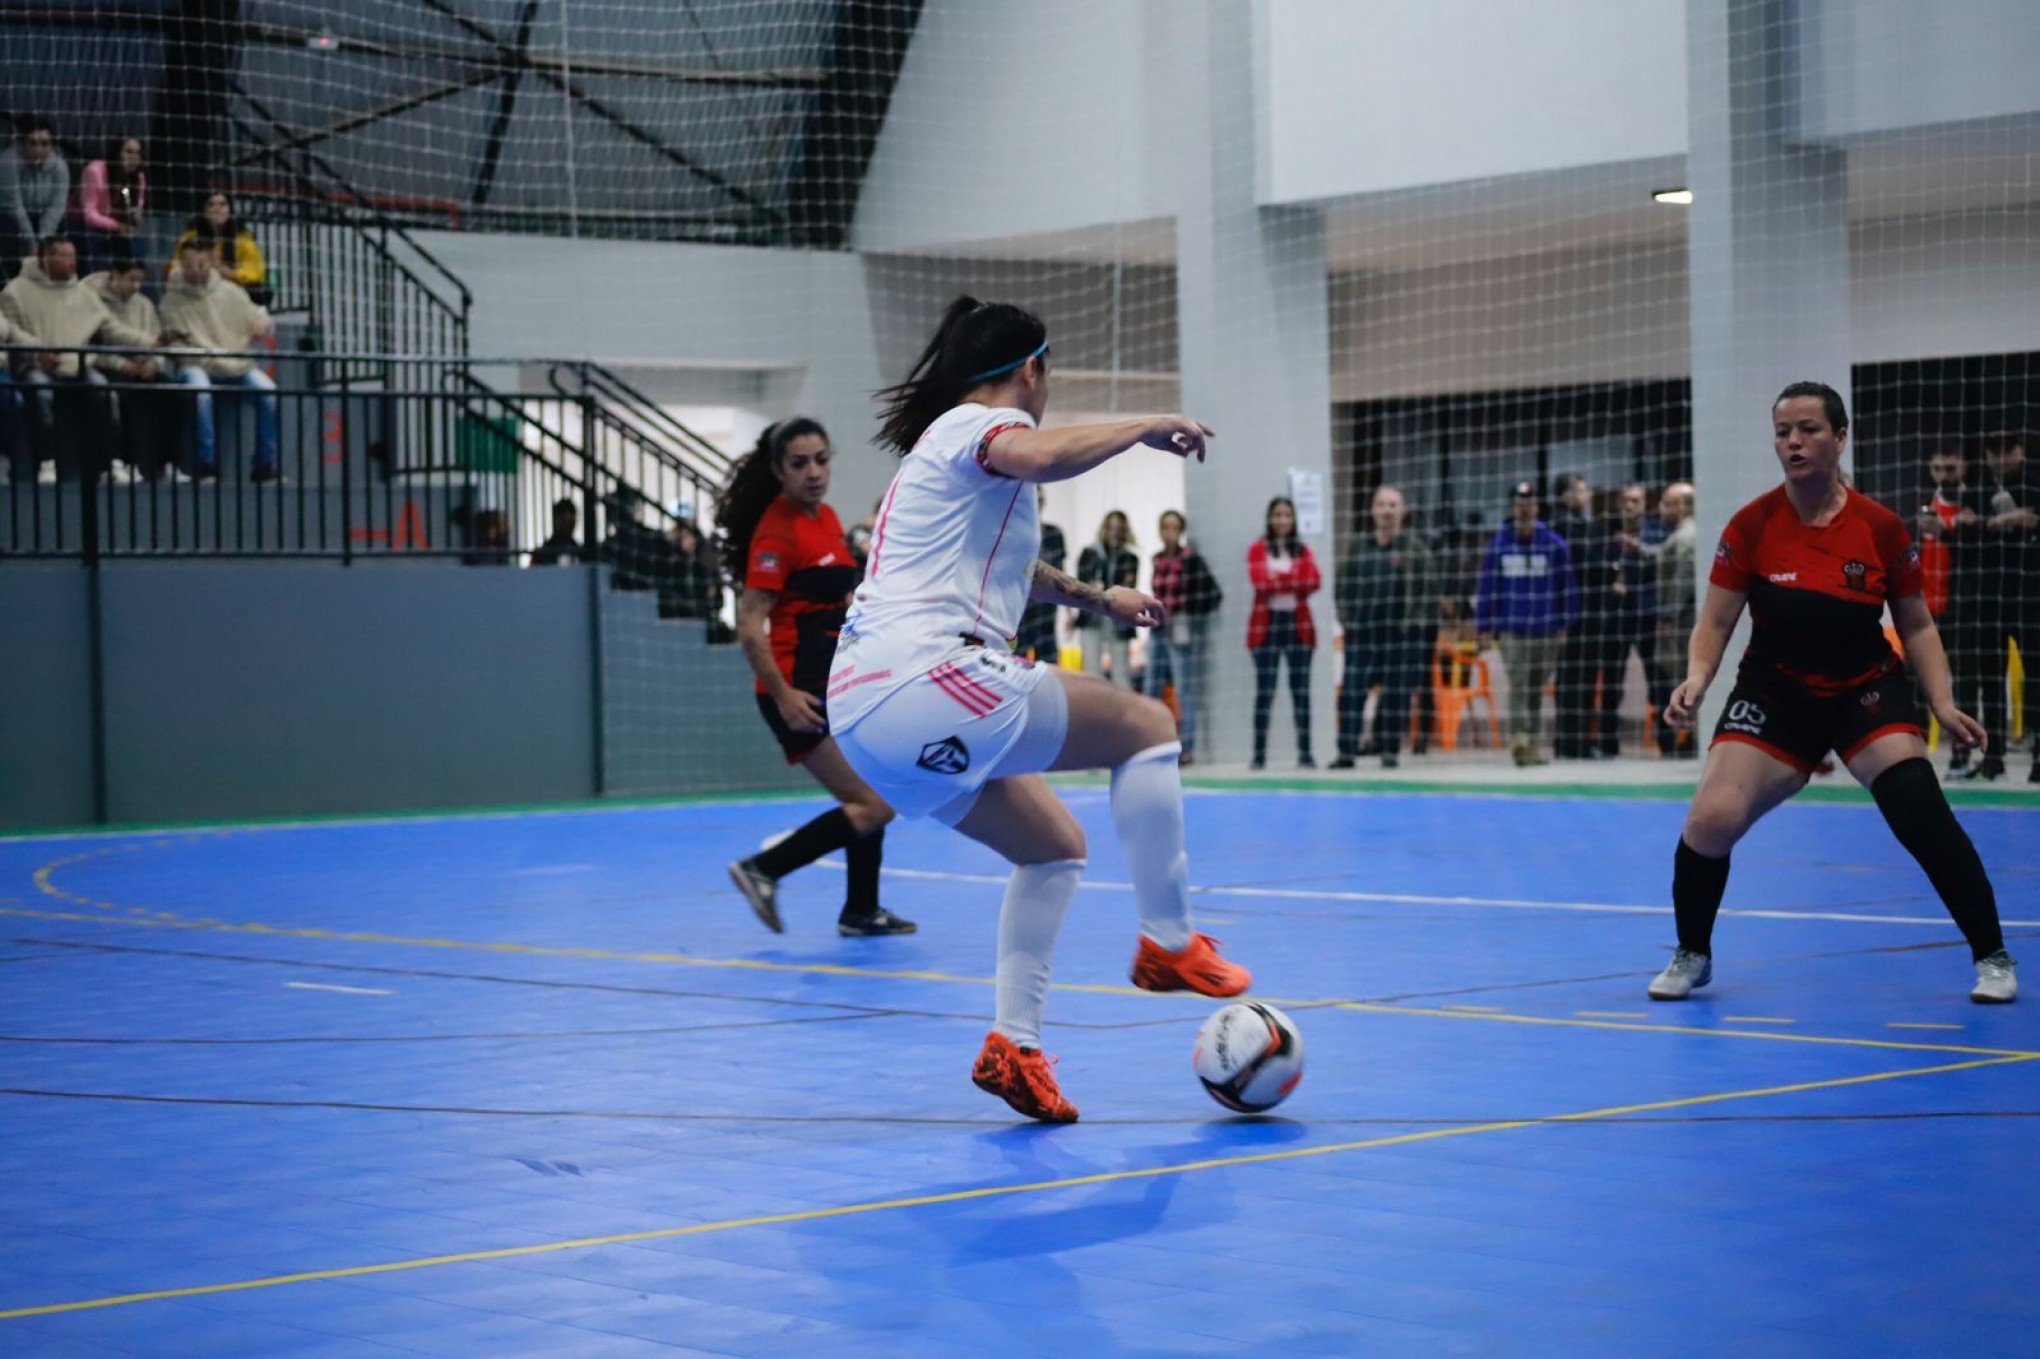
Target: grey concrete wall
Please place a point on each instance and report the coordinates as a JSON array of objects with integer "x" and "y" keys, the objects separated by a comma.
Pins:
[
  {"x": 45, "y": 695},
  {"x": 274, "y": 688}
]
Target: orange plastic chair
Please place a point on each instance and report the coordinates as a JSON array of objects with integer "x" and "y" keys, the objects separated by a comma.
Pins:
[{"x": 1459, "y": 679}]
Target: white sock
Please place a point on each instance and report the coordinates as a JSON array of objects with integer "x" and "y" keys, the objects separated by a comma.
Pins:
[
  {"x": 1037, "y": 898},
  {"x": 1147, "y": 807}
]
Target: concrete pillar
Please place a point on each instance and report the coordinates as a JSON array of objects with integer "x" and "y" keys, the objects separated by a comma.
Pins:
[
  {"x": 1255, "y": 356},
  {"x": 1767, "y": 253}
]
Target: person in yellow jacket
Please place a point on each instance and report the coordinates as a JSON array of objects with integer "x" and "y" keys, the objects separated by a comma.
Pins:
[{"x": 232, "y": 246}]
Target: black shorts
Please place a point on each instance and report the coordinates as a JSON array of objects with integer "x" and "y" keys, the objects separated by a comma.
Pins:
[
  {"x": 1786, "y": 719},
  {"x": 797, "y": 744}
]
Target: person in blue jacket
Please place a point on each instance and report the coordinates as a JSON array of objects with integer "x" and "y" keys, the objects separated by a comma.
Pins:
[{"x": 1525, "y": 601}]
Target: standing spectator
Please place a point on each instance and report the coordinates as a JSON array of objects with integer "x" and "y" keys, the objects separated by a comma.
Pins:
[
  {"x": 1583, "y": 658},
  {"x": 562, "y": 548},
  {"x": 1948, "y": 531},
  {"x": 35, "y": 190},
  {"x": 148, "y": 418},
  {"x": 1109, "y": 562},
  {"x": 1037, "y": 637},
  {"x": 1186, "y": 587},
  {"x": 215, "y": 316},
  {"x": 1388, "y": 606},
  {"x": 694, "y": 589},
  {"x": 220, "y": 234},
  {"x": 1678, "y": 607},
  {"x": 111, "y": 195},
  {"x": 2007, "y": 560},
  {"x": 1526, "y": 600},
  {"x": 1632, "y": 614},
  {"x": 78, "y": 432},
  {"x": 1284, "y": 575},
  {"x": 15, "y": 346},
  {"x": 488, "y": 539}
]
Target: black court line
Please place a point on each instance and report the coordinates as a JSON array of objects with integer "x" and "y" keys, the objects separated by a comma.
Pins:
[{"x": 669, "y": 1116}]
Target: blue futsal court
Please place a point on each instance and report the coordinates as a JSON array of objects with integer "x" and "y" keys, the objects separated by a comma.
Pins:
[{"x": 539, "y": 1084}]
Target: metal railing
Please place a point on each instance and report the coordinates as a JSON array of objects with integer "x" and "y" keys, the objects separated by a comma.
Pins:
[
  {"x": 344, "y": 456},
  {"x": 368, "y": 284}
]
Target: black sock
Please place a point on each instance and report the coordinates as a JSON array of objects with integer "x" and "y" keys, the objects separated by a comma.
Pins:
[
  {"x": 1697, "y": 885},
  {"x": 829, "y": 831},
  {"x": 1918, "y": 813},
  {"x": 864, "y": 856}
]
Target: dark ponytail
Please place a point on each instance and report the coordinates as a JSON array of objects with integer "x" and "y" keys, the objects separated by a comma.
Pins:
[
  {"x": 754, "y": 484},
  {"x": 975, "y": 342}
]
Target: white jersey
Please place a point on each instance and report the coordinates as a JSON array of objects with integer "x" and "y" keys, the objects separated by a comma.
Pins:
[{"x": 952, "y": 556}]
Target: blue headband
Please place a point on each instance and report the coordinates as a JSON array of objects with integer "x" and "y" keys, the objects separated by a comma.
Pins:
[{"x": 976, "y": 378}]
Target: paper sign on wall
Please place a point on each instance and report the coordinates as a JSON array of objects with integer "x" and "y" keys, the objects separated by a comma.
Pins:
[{"x": 1307, "y": 489}]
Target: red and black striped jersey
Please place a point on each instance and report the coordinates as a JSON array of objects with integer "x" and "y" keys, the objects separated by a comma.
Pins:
[
  {"x": 805, "y": 560},
  {"x": 1817, "y": 595}
]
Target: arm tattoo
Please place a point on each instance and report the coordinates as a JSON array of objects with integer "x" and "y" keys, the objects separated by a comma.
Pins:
[{"x": 1056, "y": 587}]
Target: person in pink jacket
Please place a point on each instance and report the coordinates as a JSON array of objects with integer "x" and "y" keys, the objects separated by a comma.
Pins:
[
  {"x": 1284, "y": 575},
  {"x": 111, "y": 195}
]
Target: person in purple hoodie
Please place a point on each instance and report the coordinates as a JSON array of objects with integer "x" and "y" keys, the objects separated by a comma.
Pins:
[{"x": 1526, "y": 599}]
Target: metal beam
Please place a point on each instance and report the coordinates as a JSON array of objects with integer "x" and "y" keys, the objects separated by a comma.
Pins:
[
  {"x": 506, "y": 106},
  {"x": 295, "y": 140}
]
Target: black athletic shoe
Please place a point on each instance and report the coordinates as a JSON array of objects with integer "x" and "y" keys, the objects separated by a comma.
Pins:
[
  {"x": 1390, "y": 760},
  {"x": 880, "y": 921},
  {"x": 2033, "y": 774},
  {"x": 761, "y": 890},
  {"x": 1343, "y": 762},
  {"x": 1986, "y": 770},
  {"x": 1306, "y": 762}
]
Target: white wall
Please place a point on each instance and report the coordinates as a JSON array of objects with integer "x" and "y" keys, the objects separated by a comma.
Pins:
[
  {"x": 1890, "y": 64},
  {"x": 1366, "y": 97}
]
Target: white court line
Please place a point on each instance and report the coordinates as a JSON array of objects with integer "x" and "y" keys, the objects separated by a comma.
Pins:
[
  {"x": 1420, "y": 899},
  {"x": 343, "y": 990}
]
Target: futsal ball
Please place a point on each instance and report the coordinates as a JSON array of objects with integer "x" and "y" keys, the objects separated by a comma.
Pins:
[{"x": 1249, "y": 1056}]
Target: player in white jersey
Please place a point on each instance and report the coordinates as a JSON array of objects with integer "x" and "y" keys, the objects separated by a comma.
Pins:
[{"x": 931, "y": 707}]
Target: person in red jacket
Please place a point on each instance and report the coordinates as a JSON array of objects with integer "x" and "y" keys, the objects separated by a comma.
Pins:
[{"x": 1284, "y": 575}]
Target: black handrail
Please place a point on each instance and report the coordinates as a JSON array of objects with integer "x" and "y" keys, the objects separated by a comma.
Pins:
[{"x": 606, "y": 383}]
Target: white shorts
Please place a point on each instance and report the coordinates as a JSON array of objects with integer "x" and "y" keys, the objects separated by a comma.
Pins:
[{"x": 928, "y": 747}]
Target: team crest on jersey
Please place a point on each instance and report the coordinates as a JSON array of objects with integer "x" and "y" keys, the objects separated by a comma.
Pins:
[
  {"x": 1856, "y": 574},
  {"x": 768, "y": 561},
  {"x": 1910, "y": 558},
  {"x": 946, "y": 756},
  {"x": 1721, "y": 552}
]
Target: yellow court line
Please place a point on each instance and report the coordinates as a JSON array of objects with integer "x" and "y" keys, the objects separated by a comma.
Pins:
[
  {"x": 1755, "y": 1019},
  {"x": 958, "y": 979},
  {"x": 1475, "y": 1009},
  {"x": 986, "y": 1192}
]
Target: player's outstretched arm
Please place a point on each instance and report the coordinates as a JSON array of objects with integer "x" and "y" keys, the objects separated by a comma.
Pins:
[
  {"x": 1119, "y": 603},
  {"x": 1718, "y": 615},
  {"x": 1059, "y": 454},
  {"x": 1929, "y": 661}
]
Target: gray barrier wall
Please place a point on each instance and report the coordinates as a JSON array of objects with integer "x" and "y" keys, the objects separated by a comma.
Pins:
[{"x": 250, "y": 689}]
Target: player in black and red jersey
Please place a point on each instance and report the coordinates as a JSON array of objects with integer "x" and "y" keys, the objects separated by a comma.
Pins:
[
  {"x": 784, "y": 549},
  {"x": 1817, "y": 562}
]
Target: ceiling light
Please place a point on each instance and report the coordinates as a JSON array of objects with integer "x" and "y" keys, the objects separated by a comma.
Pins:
[{"x": 1680, "y": 196}]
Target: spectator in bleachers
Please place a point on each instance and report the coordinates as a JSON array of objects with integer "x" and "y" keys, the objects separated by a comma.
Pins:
[
  {"x": 1525, "y": 602},
  {"x": 488, "y": 539},
  {"x": 148, "y": 419},
  {"x": 1678, "y": 606},
  {"x": 230, "y": 243},
  {"x": 35, "y": 191},
  {"x": 1108, "y": 562},
  {"x": 111, "y": 195},
  {"x": 639, "y": 557},
  {"x": 1632, "y": 614},
  {"x": 1388, "y": 608},
  {"x": 562, "y": 548},
  {"x": 15, "y": 346},
  {"x": 213, "y": 315},
  {"x": 1037, "y": 638},
  {"x": 50, "y": 303},
  {"x": 1186, "y": 587},
  {"x": 1284, "y": 575},
  {"x": 1585, "y": 658},
  {"x": 2008, "y": 561},
  {"x": 695, "y": 590}
]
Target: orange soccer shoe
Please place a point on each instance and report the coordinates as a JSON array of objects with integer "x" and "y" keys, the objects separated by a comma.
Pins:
[
  {"x": 1023, "y": 1077},
  {"x": 1197, "y": 968}
]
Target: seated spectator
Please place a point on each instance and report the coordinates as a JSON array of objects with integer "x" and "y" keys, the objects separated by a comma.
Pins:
[
  {"x": 35, "y": 189},
  {"x": 148, "y": 421},
  {"x": 488, "y": 539},
  {"x": 214, "y": 316},
  {"x": 111, "y": 195},
  {"x": 232, "y": 246},
  {"x": 62, "y": 314},
  {"x": 695, "y": 589},
  {"x": 562, "y": 549},
  {"x": 641, "y": 558}
]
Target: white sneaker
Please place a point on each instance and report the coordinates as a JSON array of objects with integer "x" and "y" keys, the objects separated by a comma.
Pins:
[
  {"x": 1686, "y": 973},
  {"x": 1997, "y": 980}
]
